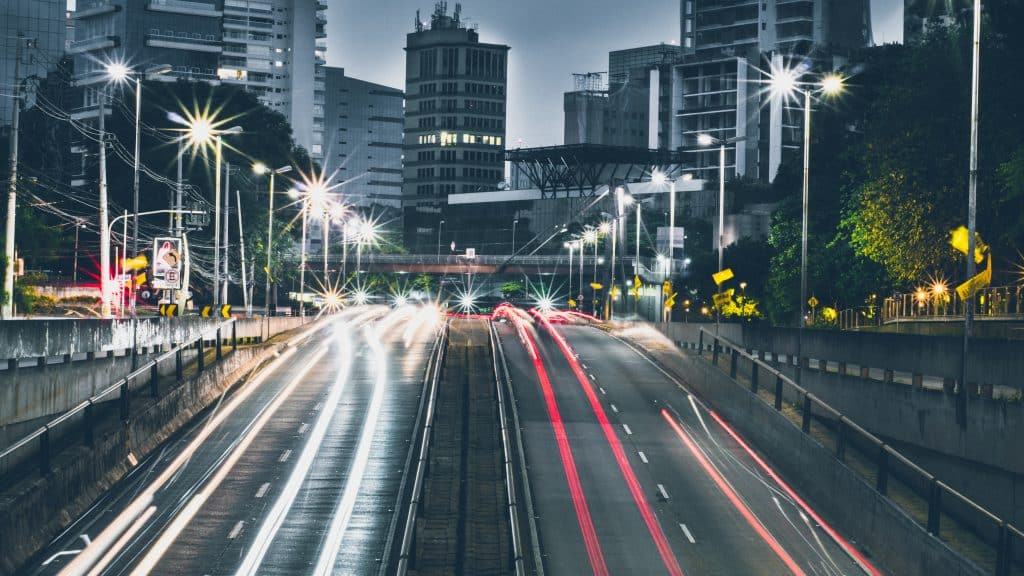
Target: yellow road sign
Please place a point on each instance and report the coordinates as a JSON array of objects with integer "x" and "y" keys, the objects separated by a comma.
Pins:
[
  {"x": 720, "y": 277},
  {"x": 225, "y": 311},
  {"x": 980, "y": 280},
  {"x": 206, "y": 311},
  {"x": 666, "y": 288},
  {"x": 723, "y": 298},
  {"x": 812, "y": 302},
  {"x": 960, "y": 239}
]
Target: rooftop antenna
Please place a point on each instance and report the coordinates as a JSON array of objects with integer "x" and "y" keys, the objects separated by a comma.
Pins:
[
  {"x": 419, "y": 22},
  {"x": 458, "y": 13}
]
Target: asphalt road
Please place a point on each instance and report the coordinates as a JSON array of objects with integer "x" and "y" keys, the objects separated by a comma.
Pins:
[
  {"x": 718, "y": 511},
  {"x": 297, "y": 473}
]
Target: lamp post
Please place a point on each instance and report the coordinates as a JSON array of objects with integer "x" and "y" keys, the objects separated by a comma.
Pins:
[
  {"x": 78, "y": 226},
  {"x": 571, "y": 246},
  {"x": 439, "y": 226},
  {"x": 785, "y": 83},
  {"x": 514, "y": 224},
  {"x": 961, "y": 398},
  {"x": 261, "y": 168}
]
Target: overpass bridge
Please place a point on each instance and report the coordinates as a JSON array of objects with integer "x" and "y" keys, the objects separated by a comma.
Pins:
[{"x": 390, "y": 441}]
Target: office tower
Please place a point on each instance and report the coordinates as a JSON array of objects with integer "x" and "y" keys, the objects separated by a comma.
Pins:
[
  {"x": 363, "y": 133},
  {"x": 41, "y": 25},
  {"x": 454, "y": 119}
]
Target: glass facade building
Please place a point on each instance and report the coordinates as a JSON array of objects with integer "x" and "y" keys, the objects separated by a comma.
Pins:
[{"x": 42, "y": 22}]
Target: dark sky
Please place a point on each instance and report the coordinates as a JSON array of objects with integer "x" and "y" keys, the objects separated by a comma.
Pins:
[{"x": 550, "y": 40}]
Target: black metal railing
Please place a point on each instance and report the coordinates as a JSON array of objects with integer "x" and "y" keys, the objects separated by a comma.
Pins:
[
  {"x": 964, "y": 525},
  {"x": 81, "y": 421}
]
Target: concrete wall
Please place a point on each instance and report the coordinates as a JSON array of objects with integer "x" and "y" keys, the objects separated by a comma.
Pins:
[
  {"x": 43, "y": 506},
  {"x": 29, "y": 395},
  {"x": 893, "y": 539},
  {"x": 992, "y": 361}
]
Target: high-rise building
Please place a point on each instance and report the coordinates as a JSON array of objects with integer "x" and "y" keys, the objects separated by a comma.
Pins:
[
  {"x": 454, "y": 120},
  {"x": 919, "y": 15},
  {"x": 41, "y": 26},
  {"x": 363, "y": 139},
  {"x": 718, "y": 91},
  {"x": 585, "y": 108},
  {"x": 277, "y": 49}
]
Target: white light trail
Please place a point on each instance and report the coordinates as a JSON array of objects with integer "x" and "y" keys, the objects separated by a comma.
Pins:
[
  {"x": 343, "y": 513},
  {"x": 268, "y": 529}
]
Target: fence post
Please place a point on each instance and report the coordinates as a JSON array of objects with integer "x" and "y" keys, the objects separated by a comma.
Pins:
[
  {"x": 88, "y": 422},
  {"x": 754, "y": 371},
  {"x": 778, "y": 392},
  {"x": 806, "y": 424},
  {"x": 734, "y": 356},
  {"x": 202, "y": 354},
  {"x": 714, "y": 351},
  {"x": 882, "y": 482},
  {"x": 44, "y": 451},
  {"x": 220, "y": 353},
  {"x": 840, "y": 440},
  {"x": 700, "y": 343},
  {"x": 934, "y": 507},
  {"x": 234, "y": 335},
  {"x": 179, "y": 367},
  {"x": 1004, "y": 550},
  {"x": 125, "y": 400},
  {"x": 154, "y": 375}
]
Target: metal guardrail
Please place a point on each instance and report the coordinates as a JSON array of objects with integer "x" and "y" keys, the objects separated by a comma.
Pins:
[
  {"x": 995, "y": 302},
  {"x": 970, "y": 529},
  {"x": 41, "y": 440},
  {"x": 406, "y": 554}
]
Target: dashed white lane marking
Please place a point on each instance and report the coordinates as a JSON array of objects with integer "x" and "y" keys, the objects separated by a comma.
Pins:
[
  {"x": 318, "y": 406},
  {"x": 614, "y": 409},
  {"x": 284, "y": 456},
  {"x": 643, "y": 457},
  {"x": 602, "y": 390},
  {"x": 592, "y": 377},
  {"x": 626, "y": 428},
  {"x": 686, "y": 532},
  {"x": 303, "y": 428},
  {"x": 234, "y": 531},
  {"x": 584, "y": 365},
  {"x": 263, "y": 490},
  {"x": 664, "y": 494}
]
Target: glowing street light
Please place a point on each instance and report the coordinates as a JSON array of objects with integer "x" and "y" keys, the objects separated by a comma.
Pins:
[{"x": 261, "y": 169}]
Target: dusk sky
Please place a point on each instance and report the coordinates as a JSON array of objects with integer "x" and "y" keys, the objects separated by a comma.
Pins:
[{"x": 550, "y": 40}]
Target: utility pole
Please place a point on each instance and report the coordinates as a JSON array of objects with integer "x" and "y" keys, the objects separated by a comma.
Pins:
[
  {"x": 241, "y": 246},
  {"x": 12, "y": 192},
  {"x": 226, "y": 277},
  {"x": 104, "y": 229},
  {"x": 972, "y": 204}
]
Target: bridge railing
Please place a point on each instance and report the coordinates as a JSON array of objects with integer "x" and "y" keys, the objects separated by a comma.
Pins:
[
  {"x": 994, "y": 302},
  {"x": 80, "y": 423},
  {"x": 958, "y": 521}
]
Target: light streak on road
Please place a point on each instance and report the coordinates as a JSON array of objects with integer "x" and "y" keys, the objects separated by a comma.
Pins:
[
  {"x": 268, "y": 529},
  {"x": 85, "y": 561},
  {"x": 846, "y": 546},
  {"x": 343, "y": 513},
  {"x": 660, "y": 541},
  {"x": 733, "y": 498},
  {"x": 583, "y": 518},
  {"x": 184, "y": 518}
]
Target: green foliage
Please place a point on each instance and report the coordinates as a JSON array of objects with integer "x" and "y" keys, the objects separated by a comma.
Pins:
[
  {"x": 512, "y": 290},
  {"x": 743, "y": 308},
  {"x": 425, "y": 283}
]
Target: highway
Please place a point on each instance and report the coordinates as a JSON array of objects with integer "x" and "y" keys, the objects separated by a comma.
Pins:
[
  {"x": 298, "y": 471},
  {"x": 633, "y": 475}
]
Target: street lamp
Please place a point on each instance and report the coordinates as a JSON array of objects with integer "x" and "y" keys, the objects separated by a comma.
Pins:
[
  {"x": 709, "y": 140},
  {"x": 659, "y": 178},
  {"x": 261, "y": 168},
  {"x": 514, "y": 224},
  {"x": 440, "y": 225}
]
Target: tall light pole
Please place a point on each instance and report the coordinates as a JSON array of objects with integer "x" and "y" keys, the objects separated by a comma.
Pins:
[
  {"x": 78, "y": 226},
  {"x": 785, "y": 83},
  {"x": 439, "y": 226},
  {"x": 260, "y": 168},
  {"x": 104, "y": 230},
  {"x": 514, "y": 224},
  {"x": 972, "y": 203},
  {"x": 571, "y": 246}
]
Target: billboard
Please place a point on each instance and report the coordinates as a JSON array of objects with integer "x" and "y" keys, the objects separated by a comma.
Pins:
[{"x": 167, "y": 263}]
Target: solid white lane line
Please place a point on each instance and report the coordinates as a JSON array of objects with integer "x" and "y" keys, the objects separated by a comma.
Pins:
[
  {"x": 614, "y": 409},
  {"x": 284, "y": 456},
  {"x": 234, "y": 531},
  {"x": 263, "y": 490},
  {"x": 664, "y": 494},
  {"x": 626, "y": 428},
  {"x": 686, "y": 532},
  {"x": 699, "y": 417},
  {"x": 303, "y": 428},
  {"x": 643, "y": 457}
]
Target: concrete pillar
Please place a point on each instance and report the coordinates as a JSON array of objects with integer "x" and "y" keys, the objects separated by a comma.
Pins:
[
  {"x": 917, "y": 381},
  {"x": 865, "y": 372},
  {"x": 949, "y": 385},
  {"x": 12, "y": 364},
  {"x": 841, "y": 370},
  {"x": 887, "y": 376},
  {"x": 987, "y": 391},
  {"x": 67, "y": 358}
]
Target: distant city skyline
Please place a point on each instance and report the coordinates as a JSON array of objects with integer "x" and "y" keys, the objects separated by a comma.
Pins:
[{"x": 549, "y": 40}]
